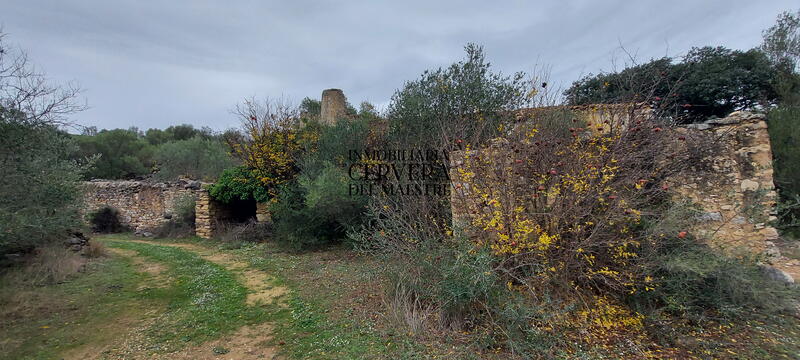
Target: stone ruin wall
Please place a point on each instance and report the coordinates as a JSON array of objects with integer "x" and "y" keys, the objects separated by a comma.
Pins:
[
  {"x": 143, "y": 206},
  {"x": 205, "y": 215},
  {"x": 211, "y": 215},
  {"x": 733, "y": 185}
]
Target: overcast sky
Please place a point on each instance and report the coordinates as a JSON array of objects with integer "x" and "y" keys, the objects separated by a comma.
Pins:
[{"x": 160, "y": 63}]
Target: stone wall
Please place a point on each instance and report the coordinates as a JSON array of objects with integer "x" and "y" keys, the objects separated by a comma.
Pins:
[
  {"x": 733, "y": 184},
  {"x": 211, "y": 216},
  {"x": 205, "y": 215},
  {"x": 143, "y": 205}
]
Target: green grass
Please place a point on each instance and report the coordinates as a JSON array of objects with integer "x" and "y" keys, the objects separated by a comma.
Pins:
[
  {"x": 307, "y": 326},
  {"x": 334, "y": 308},
  {"x": 206, "y": 300},
  {"x": 201, "y": 301},
  {"x": 43, "y": 321}
]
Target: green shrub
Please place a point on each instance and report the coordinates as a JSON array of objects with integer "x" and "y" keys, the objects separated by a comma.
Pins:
[
  {"x": 313, "y": 212},
  {"x": 463, "y": 101},
  {"x": 784, "y": 133},
  {"x": 40, "y": 193},
  {"x": 456, "y": 283},
  {"x": 105, "y": 220},
  {"x": 692, "y": 280},
  {"x": 318, "y": 208},
  {"x": 708, "y": 81},
  {"x": 456, "y": 287},
  {"x": 333, "y": 143},
  {"x": 689, "y": 278},
  {"x": 123, "y": 154},
  {"x": 238, "y": 183}
]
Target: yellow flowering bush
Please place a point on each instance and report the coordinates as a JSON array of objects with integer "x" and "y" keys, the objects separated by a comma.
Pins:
[
  {"x": 565, "y": 206},
  {"x": 268, "y": 143}
]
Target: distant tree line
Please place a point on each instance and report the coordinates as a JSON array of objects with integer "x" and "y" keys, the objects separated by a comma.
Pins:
[{"x": 180, "y": 150}]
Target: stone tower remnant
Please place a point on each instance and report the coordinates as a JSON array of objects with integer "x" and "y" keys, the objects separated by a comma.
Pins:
[{"x": 334, "y": 106}]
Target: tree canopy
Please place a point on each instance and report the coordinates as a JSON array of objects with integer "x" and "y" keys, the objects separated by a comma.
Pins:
[{"x": 707, "y": 81}]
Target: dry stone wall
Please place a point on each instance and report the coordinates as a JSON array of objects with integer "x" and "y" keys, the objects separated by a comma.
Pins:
[
  {"x": 733, "y": 184},
  {"x": 143, "y": 206},
  {"x": 205, "y": 212}
]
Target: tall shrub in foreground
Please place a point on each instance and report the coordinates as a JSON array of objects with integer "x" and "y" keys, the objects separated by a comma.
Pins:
[
  {"x": 39, "y": 184},
  {"x": 565, "y": 237},
  {"x": 443, "y": 110}
]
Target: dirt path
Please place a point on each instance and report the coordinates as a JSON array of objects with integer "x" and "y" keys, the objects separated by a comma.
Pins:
[
  {"x": 258, "y": 283},
  {"x": 248, "y": 342}
]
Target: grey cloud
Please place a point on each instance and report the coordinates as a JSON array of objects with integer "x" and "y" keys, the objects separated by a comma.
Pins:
[{"x": 153, "y": 64}]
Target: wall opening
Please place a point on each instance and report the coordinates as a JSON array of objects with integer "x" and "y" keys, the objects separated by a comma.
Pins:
[{"x": 241, "y": 211}]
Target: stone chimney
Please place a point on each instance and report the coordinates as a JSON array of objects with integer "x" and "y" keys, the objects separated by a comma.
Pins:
[{"x": 333, "y": 106}]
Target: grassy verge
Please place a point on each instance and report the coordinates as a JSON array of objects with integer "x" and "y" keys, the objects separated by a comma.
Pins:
[{"x": 41, "y": 322}]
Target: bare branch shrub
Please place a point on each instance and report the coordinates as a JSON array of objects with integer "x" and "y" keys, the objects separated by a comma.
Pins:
[{"x": 27, "y": 91}]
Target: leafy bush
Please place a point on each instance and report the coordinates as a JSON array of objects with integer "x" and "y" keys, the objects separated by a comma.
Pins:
[
  {"x": 195, "y": 158},
  {"x": 239, "y": 183},
  {"x": 784, "y": 132},
  {"x": 40, "y": 185},
  {"x": 40, "y": 194},
  {"x": 176, "y": 133},
  {"x": 130, "y": 153},
  {"x": 318, "y": 208},
  {"x": 313, "y": 212},
  {"x": 456, "y": 284},
  {"x": 463, "y": 101},
  {"x": 691, "y": 279},
  {"x": 445, "y": 109},
  {"x": 310, "y": 107},
  {"x": 267, "y": 147},
  {"x": 105, "y": 220}
]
